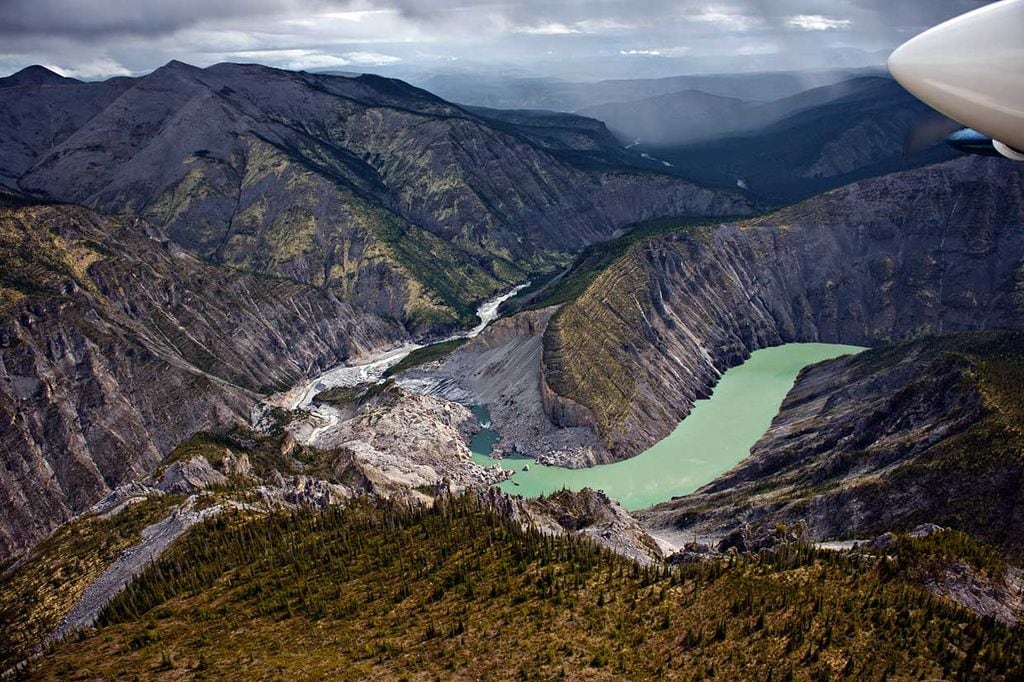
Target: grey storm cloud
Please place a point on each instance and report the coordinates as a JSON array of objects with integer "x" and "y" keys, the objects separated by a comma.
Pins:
[
  {"x": 106, "y": 18},
  {"x": 121, "y": 36}
]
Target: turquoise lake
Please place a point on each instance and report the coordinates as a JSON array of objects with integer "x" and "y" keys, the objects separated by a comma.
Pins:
[{"x": 717, "y": 435}]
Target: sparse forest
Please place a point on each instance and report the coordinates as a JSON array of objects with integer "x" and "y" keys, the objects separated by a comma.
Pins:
[{"x": 386, "y": 590}]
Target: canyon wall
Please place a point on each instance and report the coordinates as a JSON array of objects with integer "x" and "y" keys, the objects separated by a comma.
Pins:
[
  {"x": 933, "y": 250},
  {"x": 115, "y": 345},
  {"x": 927, "y": 431}
]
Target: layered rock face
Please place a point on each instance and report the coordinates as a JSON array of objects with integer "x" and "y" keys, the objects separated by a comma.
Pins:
[
  {"x": 934, "y": 250},
  {"x": 115, "y": 345},
  {"x": 406, "y": 205},
  {"x": 922, "y": 432}
]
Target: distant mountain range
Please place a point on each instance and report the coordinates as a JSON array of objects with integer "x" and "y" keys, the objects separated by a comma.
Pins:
[
  {"x": 340, "y": 182},
  {"x": 693, "y": 115},
  {"x": 574, "y": 96},
  {"x": 810, "y": 142}
]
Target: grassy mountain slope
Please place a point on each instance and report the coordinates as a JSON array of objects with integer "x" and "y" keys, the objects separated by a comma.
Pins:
[{"x": 458, "y": 592}]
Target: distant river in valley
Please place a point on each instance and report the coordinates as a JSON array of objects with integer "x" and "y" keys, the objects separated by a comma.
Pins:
[
  {"x": 718, "y": 434},
  {"x": 370, "y": 370}
]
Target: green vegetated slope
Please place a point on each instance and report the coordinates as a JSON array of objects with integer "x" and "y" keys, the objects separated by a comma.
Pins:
[
  {"x": 588, "y": 264},
  {"x": 929, "y": 431},
  {"x": 422, "y": 356},
  {"x": 458, "y": 592},
  {"x": 307, "y": 222},
  {"x": 41, "y": 588}
]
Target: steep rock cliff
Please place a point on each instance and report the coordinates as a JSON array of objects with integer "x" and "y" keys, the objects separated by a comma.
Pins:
[
  {"x": 115, "y": 345},
  {"x": 933, "y": 250}
]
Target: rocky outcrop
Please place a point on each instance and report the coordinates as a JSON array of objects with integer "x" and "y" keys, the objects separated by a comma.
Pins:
[
  {"x": 593, "y": 514},
  {"x": 115, "y": 346},
  {"x": 501, "y": 369},
  {"x": 397, "y": 440},
  {"x": 926, "y": 432},
  {"x": 999, "y": 597},
  {"x": 935, "y": 250},
  {"x": 304, "y": 491},
  {"x": 185, "y": 477},
  {"x": 970, "y": 575},
  {"x": 589, "y": 513}
]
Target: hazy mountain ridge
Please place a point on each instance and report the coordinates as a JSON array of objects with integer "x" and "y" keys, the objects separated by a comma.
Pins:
[
  {"x": 692, "y": 116},
  {"x": 816, "y": 143},
  {"x": 565, "y": 95}
]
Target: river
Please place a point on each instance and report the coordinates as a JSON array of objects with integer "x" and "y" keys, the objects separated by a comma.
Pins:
[
  {"x": 717, "y": 435},
  {"x": 371, "y": 370}
]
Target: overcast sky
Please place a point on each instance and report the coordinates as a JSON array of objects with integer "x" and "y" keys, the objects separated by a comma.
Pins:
[{"x": 99, "y": 38}]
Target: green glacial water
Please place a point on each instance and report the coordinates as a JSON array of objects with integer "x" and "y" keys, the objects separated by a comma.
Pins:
[{"x": 717, "y": 434}]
